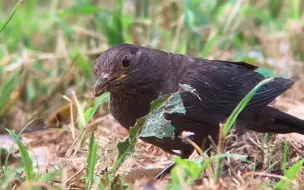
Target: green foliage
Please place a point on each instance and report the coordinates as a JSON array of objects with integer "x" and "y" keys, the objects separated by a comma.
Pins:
[
  {"x": 126, "y": 147},
  {"x": 92, "y": 110},
  {"x": 189, "y": 171},
  {"x": 91, "y": 161},
  {"x": 8, "y": 176},
  {"x": 7, "y": 88},
  {"x": 83, "y": 9},
  {"x": 82, "y": 122},
  {"x": 210, "y": 42},
  {"x": 111, "y": 24},
  {"x": 13, "y": 174},
  {"x": 285, "y": 156},
  {"x": 79, "y": 59},
  {"x": 26, "y": 159},
  {"x": 192, "y": 170},
  {"x": 295, "y": 9},
  {"x": 290, "y": 175},
  {"x": 85, "y": 116},
  {"x": 50, "y": 176},
  {"x": 155, "y": 124},
  {"x": 11, "y": 15}
]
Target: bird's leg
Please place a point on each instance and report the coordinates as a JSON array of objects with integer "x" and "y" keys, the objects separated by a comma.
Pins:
[
  {"x": 165, "y": 172},
  {"x": 184, "y": 154}
]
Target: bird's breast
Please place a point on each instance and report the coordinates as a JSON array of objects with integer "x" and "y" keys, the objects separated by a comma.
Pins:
[{"x": 126, "y": 110}]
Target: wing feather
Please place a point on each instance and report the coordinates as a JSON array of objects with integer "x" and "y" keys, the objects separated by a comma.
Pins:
[{"x": 222, "y": 85}]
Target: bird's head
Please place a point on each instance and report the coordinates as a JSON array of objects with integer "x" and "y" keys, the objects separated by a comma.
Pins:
[{"x": 123, "y": 68}]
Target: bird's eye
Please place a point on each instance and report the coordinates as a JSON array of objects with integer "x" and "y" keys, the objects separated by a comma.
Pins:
[{"x": 126, "y": 62}]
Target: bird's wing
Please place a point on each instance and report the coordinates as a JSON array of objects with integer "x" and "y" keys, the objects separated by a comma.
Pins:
[
  {"x": 222, "y": 85},
  {"x": 240, "y": 63}
]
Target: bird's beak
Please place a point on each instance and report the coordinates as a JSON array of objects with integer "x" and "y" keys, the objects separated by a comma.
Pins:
[
  {"x": 102, "y": 82},
  {"x": 99, "y": 86}
]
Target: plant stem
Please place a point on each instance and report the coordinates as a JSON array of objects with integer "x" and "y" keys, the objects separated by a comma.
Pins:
[{"x": 11, "y": 15}]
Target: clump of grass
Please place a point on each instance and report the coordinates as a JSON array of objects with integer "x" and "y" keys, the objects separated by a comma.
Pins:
[
  {"x": 26, "y": 159},
  {"x": 290, "y": 175},
  {"x": 32, "y": 178}
]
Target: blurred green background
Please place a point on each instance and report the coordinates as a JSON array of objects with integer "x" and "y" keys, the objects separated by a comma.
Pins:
[{"x": 48, "y": 47}]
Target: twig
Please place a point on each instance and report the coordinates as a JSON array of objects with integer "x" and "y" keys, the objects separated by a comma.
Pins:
[
  {"x": 73, "y": 176},
  {"x": 87, "y": 32},
  {"x": 71, "y": 125},
  {"x": 96, "y": 121},
  {"x": 263, "y": 174},
  {"x": 220, "y": 150},
  {"x": 68, "y": 152},
  {"x": 42, "y": 56},
  {"x": 239, "y": 178}
]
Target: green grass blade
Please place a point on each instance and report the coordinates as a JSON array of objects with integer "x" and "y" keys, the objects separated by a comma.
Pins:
[
  {"x": 193, "y": 169},
  {"x": 290, "y": 175},
  {"x": 82, "y": 123},
  {"x": 285, "y": 156},
  {"x": 210, "y": 42},
  {"x": 50, "y": 176},
  {"x": 126, "y": 147},
  {"x": 91, "y": 111},
  {"x": 231, "y": 120},
  {"x": 83, "y": 9},
  {"x": 265, "y": 140},
  {"x": 1, "y": 72},
  {"x": 233, "y": 15},
  {"x": 25, "y": 157},
  {"x": 295, "y": 9},
  {"x": 7, "y": 89},
  {"x": 25, "y": 127},
  {"x": 11, "y": 15},
  {"x": 91, "y": 161},
  {"x": 217, "y": 171},
  {"x": 7, "y": 177},
  {"x": 220, "y": 156},
  {"x": 80, "y": 60}
]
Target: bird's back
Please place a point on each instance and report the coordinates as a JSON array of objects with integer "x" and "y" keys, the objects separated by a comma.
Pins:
[{"x": 221, "y": 85}]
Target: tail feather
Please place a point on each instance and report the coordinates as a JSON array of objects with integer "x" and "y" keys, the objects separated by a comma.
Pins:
[
  {"x": 273, "y": 120},
  {"x": 291, "y": 123}
]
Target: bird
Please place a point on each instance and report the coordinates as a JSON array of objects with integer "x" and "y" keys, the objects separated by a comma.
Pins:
[{"x": 135, "y": 76}]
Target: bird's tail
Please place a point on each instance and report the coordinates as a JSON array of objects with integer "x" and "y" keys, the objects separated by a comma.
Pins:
[{"x": 279, "y": 122}]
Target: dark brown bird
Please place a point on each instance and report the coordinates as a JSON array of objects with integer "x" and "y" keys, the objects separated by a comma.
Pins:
[{"x": 136, "y": 75}]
